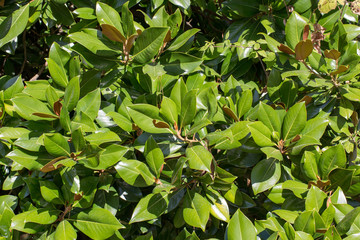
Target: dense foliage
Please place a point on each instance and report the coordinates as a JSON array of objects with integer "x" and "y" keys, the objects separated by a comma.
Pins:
[{"x": 179, "y": 119}]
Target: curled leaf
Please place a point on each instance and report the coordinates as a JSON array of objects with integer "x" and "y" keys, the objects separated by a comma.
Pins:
[
  {"x": 57, "y": 107},
  {"x": 332, "y": 54},
  {"x": 296, "y": 138},
  {"x": 286, "y": 49},
  {"x": 303, "y": 49},
  {"x": 306, "y": 32},
  {"x": 307, "y": 99},
  {"x": 44, "y": 115},
  {"x": 50, "y": 165},
  {"x": 159, "y": 124},
  {"x": 340, "y": 69},
  {"x": 230, "y": 113},
  {"x": 112, "y": 33}
]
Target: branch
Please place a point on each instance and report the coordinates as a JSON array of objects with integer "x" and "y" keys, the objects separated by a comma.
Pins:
[
  {"x": 25, "y": 53},
  {"x": 36, "y": 76}
]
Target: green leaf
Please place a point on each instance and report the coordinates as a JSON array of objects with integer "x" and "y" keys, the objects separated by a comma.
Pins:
[
  {"x": 14, "y": 24},
  {"x": 144, "y": 116},
  {"x": 309, "y": 222},
  {"x": 244, "y": 104},
  {"x": 182, "y": 39},
  {"x": 294, "y": 121},
  {"x": 12, "y": 86},
  {"x": 268, "y": 116},
  {"x": 345, "y": 224},
  {"x": 298, "y": 188},
  {"x": 88, "y": 188},
  {"x": 90, "y": 104},
  {"x": 97, "y": 223},
  {"x": 26, "y": 106},
  {"x": 199, "y": 158},
  {"x": 101, "y": 136},
  {"x": 154, "y": 156},
  {"x": 180, "y": 63},
  {"x": 32, "y": 221},
  {"x": 65, "y": 231},
  {"x": 72, "y": 93},
  {"x": 309, "y": 165},
  {"x": 57, "y": 72},
  {"x": 9, "y": 200},
  {"x": 219, "y": 206},
  {"x": 56, "y": 145},
  {"x": 294, "y": 28},
  {"x": 315, "y": 127},
  {"x": 272, "y": 152},
  {"x": 93, "y": 41},
  {"x": 122, "y": 121},
  {"x": 333, "y": 157},
  {"x": 135, "y": 173},
  {"x": 107, "y": 15},
  {"x": 29, "y": 160},
  {"x": 265, "y": 175},
  {"x": 352, "y": 94},
  {"x": 107, "y": 158},
  {"x": 178, "y": 93},
  {"x": 196, "y": 210},
  {"x": 150, "y": 207},
  {"x": 127, "y": 20},
  {"x": 314, "y": 199},
  {"x": 185, "y": 4},
  {"x": 188, "y": 108},
  {"x": 243, "y": 8},
  {"x": 240, "y": 228},
  {"x": 168, "y": 110},
  {"x": 261, "y": 134},
  {"x": 50, "y": 192},
  {"x": 149, "y": 43},
  {"x": 341, "y": 178}
]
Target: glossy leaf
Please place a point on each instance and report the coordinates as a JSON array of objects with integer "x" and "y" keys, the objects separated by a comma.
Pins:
[
  {"x": 265, "y": 175},
  {"x": 196, "y": 210},
  {"x": 97, "y": 223},
  {"x": 240, "y": 227}
]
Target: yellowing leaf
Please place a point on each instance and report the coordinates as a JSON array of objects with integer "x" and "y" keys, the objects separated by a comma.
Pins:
[
  {"x": 332, "y": 54},
  {"x": 286, "y": 49},
  {"x": 112, "y": 33},
  {"x": 355, "y": 7},
  {"x": 341, "y": 69},
  {"x": 326, "y": 6},
  {"x": 303, "y": 49}
]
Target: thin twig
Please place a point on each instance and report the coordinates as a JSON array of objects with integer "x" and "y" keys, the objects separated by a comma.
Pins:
[
  {"x": 25, "y": 53},
  {"x": 263, "y": 66},
  {"x": 36, "y": 76},
  {"x": 311, "y": 70}
]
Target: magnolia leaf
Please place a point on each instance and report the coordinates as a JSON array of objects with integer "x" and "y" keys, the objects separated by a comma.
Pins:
[
  {"x": 332, "y": 54},
  {"x": 340, "y": 69},
  {"x": 303, "y": 49},
  {"x": 286, "y": 49},
  {"x": 326, "y": 6}
]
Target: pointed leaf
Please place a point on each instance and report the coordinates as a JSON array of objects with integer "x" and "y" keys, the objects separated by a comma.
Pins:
[
  {"x": 150, "y": 207},
  {"x": 240, "y": 228},
  {"x": 199, "y": 158},
  {"x": 97, "y": 223},
  {"x": 265, "y": 175},
  {"x": 196, "y": 210}
]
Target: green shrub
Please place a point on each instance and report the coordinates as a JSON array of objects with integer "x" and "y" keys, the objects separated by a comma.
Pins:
[{"x": 179, "y": 119}]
